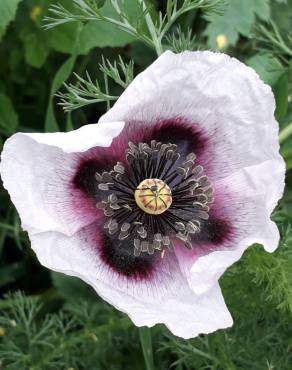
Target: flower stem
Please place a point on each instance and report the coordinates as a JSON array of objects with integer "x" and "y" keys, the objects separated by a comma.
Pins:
[
  {"x": 285, "y": 133},
  {"x": 146, "y": 343}
]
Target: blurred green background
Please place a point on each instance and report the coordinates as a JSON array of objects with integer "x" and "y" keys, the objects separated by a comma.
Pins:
[{"x": 50, "y": 321}]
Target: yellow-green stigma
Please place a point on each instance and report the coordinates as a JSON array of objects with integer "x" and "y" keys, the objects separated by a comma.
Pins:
[{"x": 153, "y": 196}]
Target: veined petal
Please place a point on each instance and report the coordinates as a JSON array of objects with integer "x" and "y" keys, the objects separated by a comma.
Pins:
[
  {"x": 252, "y": 195},
  {"x": 164, "y": 298},
  {"x": 223, "y": 98},
  {"x": 37, "y": 169}
]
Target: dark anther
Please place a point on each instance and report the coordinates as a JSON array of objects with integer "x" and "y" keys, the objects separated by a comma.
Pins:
[{"x": 154, "y": 198}]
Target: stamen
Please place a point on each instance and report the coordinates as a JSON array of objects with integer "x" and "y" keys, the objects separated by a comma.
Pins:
[{"x": 154, "y": 197}]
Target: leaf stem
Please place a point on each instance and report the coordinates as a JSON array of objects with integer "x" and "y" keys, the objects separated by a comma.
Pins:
[
  {"x": 146, "y": 344},
  {"x": 6, "y": 226},
  {"x": 108, "y": 105},
  {"x": 285, "y": 133},
  {"x": 152, "y": 30}
]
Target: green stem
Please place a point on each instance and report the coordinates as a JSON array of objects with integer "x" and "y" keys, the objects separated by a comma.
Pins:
[
  {"x": 108, "y": 105},
  {"x": 152, "y": 30},
  {"x": 288, "y": 164},
  {"x": 285, "y": 133},
  {"x": 146, "y": 343},
  {"x": 69, "y": 123},
  {"x": 6, "y": 226}
]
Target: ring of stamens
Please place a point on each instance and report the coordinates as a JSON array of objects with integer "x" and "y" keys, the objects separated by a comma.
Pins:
[{"x": 184, "y": 206}]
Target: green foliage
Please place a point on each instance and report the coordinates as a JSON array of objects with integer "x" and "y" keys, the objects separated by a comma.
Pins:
[
  {"x": 181, "y": 41},
  {"x": 8, "y": 116},
  {"x": 270, "y": 39},
  {"x": 61, "y": 75},
  {"x": 237, "y": 19},
  {"x": 267, "y": 66},
  {"x": 36, "y": 51},
  {"x": 142, "y": 24},
  {"x": 93, "y": 34},
  {"x": 281, "y": 91},
  {"x": 273, "y": 271},
  {"x": 67, "y": 287},
  {"x": 7, "y": 14},
  {"x": 86, "y": 92},
  {"x": 12, "y": 272},
  {"x": 120, "y": 72},
  {"x": 82, "y": 335},
  {"x": 59, "y": 322}
]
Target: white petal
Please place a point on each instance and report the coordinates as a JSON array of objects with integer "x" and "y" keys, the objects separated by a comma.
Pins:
[
  {"x": 168, "y": 299},
  {"x": 235, "y": 111},
  {"x": 86, "y": 137},
  {"x": 256, "y": 191},
  {"x": 36, "y": 169},
  {"x": 221, "y": 95}
]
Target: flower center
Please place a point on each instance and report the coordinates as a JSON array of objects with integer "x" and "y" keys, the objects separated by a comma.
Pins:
[{"x": 153, "y": 196}]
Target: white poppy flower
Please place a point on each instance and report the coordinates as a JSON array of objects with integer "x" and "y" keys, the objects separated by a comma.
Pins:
[{"x": 153, "y": 203}]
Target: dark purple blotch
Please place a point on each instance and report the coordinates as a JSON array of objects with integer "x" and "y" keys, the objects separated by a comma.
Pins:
[
  {"x": 119, "y": 256},
  {"x": 214, "y": 233}
]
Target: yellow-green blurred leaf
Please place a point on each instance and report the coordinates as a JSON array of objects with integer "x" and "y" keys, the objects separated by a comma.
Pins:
[{"x": 8, "y": 10}]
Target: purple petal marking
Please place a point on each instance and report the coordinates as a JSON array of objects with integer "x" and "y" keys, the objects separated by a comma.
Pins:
[{"x": 117, "y": 255}]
